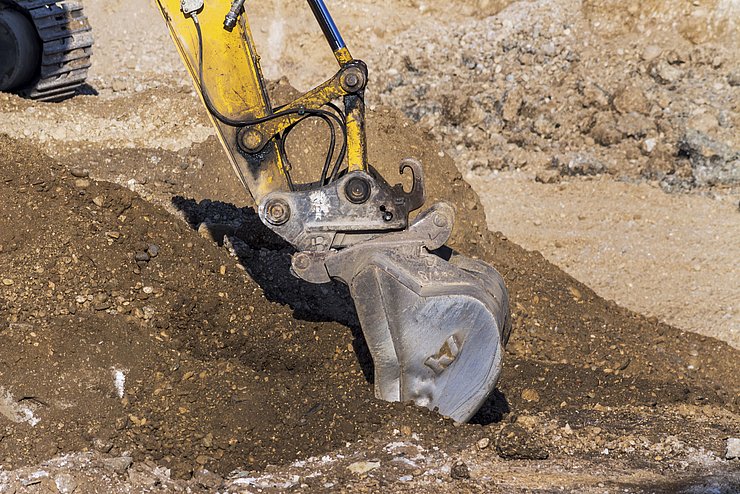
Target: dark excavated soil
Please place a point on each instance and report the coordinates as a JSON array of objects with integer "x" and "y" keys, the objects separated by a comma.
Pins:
[{"x": 237, "y": 369}]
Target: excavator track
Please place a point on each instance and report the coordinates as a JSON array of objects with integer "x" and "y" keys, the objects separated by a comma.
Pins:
[{"x": 67, "y": 41}]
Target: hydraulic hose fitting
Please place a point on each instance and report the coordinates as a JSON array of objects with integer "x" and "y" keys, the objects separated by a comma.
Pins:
[{"x": 237, "y": 6}]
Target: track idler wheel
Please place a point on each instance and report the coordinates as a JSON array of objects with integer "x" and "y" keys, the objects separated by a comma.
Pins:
[{"x": 20, "y": 50}]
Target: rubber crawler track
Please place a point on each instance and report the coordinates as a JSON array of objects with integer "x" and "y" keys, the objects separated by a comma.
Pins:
[{"x": 67, "y": 46}]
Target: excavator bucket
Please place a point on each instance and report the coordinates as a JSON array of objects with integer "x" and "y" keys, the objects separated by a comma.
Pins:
[{"x": 436, "y": 322}]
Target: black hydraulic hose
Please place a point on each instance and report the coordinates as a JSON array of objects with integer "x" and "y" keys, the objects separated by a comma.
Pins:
[{"x": 323, "y": 114}]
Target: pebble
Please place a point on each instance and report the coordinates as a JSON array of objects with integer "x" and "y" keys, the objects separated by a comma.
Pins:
[
  {"x": 483, "y": 443},
  {"x": 459, "y": 471},
  {"x": 651, "y": 52},
  {"x": 629, "y": 99},
  {"x": 99, "y": 201},
  {"x": 102, "y": 444},
  {"x": 65, "y": 483},
  {"x": 7, "y": 281},
  {"x": 153, "y": 251},
  {"x": 529, "y": 394},
  {"x": 100, "y": 301},
  {"x": 514, "y": 100},
  {"x": 118, "y": 465},
  {"x": 734, "y": 79},
  {"x": 665, "y": 73},
  {"x": 548, "y": 177},
  {"x": 732, "y": 450},
  {"x": 529, "y": 422},
  {"x": 360, "y": 467},
  {"x": 79, "y": 172},
  {"x": 82, "y": 183},
  {"x": 207, "y": 479},
  {"x": 648, "y": 145},
  {"x": 142, "y": 257},
  {"x": 516, "y": 443}
]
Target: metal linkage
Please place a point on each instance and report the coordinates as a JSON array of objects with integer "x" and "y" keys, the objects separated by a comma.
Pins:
[{"x": 354, "y": 208}]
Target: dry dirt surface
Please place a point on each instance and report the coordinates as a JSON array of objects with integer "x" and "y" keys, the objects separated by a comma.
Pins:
[{"x": 153, "y": 339}]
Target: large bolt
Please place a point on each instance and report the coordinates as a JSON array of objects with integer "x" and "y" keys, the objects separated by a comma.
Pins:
[
  {"x": 440, "y": 220},
  {"x": 252, "y": 140},
  {"x": 301, "y": 261},
  {"x": 353, "y": 80},
  {"x": 357, "y": 190},
  {"x": 277, "y": 212}
]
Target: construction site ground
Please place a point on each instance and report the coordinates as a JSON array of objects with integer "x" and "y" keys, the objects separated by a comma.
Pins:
[{"x": 153, "y": 339}]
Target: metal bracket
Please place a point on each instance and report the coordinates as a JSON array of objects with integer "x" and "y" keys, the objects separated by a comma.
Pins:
[
  {"x": 190, "y": 7},
  {"x": 350, "y": 79},
  {"x": 352, "y": 209}
]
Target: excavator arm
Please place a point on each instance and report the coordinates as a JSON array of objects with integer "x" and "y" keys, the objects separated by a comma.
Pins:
[{"x": 435, "y": 322}]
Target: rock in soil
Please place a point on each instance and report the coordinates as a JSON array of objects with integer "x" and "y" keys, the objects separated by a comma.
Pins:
[
  {"x": 516, "y": 443},
  {"x": 732, "y": 449}
]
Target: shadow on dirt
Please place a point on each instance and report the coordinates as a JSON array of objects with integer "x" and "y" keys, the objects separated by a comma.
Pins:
[
  {"x": 87, "y": 90},
  {"x": 267, "y": 257},
  {"x": 493, "y": 410},
  {"x": 718, "y": 483}
]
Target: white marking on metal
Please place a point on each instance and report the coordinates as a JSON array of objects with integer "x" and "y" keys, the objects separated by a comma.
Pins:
[{"x": 319, "y": 204}]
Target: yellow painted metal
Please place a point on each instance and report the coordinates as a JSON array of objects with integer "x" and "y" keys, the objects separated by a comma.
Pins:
[
  {"x": 230, "y": 68},
  {"x": 234, "y": 83},
  {"x": 356, "y": 145},
  {"x": 343, "y": 56},
  {"x": 313, "y": 99}
]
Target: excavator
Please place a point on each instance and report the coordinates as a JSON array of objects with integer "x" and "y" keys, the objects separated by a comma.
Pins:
[
  {"x": 435, "y": 321},
  {"x": 45, "y": 48}
]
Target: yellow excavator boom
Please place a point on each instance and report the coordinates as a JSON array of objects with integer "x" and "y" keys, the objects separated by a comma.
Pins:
[{"x": 436, "y": 322}]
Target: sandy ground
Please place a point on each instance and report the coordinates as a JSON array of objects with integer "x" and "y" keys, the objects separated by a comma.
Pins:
[{"x": 669, "y": 256}]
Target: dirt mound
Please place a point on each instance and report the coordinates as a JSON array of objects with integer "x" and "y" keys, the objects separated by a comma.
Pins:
[
  {"x": 131, "y": 332},
  {"x": 126, "y": 331},
  {"x": 565, "y": 88}
]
